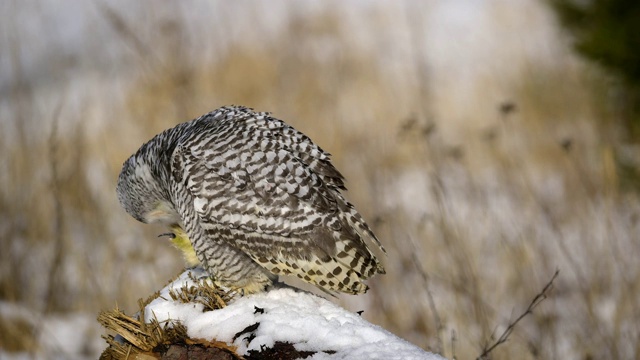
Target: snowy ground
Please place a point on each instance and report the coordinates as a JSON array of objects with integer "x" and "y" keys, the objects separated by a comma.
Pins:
[
  {"x": 60, "y": 336},
  {"x": 307, "y": 321}
]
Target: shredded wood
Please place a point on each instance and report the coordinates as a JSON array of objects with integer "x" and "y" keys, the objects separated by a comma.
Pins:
[
  {"x": 136, "y": 339},
  {"x": 204, "y": 292}
]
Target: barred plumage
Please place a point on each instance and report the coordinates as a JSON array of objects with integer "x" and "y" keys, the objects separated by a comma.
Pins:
[{"x": 256, "y": 198}]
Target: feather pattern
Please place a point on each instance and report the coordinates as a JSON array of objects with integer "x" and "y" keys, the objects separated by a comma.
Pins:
[{"x": 257, "y": 199}]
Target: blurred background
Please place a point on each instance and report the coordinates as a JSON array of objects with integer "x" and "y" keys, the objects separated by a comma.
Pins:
[{"x": 489, "y": 143}]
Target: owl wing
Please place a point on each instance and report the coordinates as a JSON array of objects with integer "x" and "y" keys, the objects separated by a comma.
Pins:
[{"x": 266, "y": 189}]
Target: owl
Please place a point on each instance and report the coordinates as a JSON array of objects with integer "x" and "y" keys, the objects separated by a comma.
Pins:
[{"x": 250, "y": 198}]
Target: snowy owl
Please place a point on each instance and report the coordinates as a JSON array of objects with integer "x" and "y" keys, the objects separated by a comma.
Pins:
[{"x": 249, "y": 198}]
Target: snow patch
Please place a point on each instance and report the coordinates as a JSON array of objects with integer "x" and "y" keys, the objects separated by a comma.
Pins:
[{"x": 307, "y": 321}]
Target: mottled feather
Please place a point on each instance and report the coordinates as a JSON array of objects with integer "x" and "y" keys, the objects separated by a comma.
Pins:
[{"x": 251, "y": 190}]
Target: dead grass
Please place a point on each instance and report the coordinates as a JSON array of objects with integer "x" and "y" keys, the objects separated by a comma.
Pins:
[
  {"x": 477, "y": 209},
  {"x": 16, "y": 335},
  {"x": 136, "y": 339}
]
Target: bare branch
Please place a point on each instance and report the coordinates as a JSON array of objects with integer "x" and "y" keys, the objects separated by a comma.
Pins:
[
  {"x": 432, "y": 303},
  {"x": 541, "y": 296}
]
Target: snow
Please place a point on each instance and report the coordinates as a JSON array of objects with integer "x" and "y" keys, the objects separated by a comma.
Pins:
[
  {"x": 55, "y": 336},
  {"x": 309, "y": 322}
]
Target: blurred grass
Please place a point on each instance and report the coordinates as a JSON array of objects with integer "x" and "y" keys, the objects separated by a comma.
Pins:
[{"x": 478, "y": 212}]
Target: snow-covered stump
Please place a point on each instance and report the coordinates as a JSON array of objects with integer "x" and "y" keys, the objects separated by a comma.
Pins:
[{"x": 188, "y": 319}]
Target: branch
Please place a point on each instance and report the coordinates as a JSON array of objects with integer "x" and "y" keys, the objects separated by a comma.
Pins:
[
  {"x": 540, "y": 297},
  {"x": 432, "y": 303}
]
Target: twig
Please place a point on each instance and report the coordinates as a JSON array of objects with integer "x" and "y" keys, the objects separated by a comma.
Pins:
[
  {"x": 54, "y": 272},
  {"x": 541, "y": 296},
  {"x": 454, "y": 338},
  {"x": 432, "y": 303}
]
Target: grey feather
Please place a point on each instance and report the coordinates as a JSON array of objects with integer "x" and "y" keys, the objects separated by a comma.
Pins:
[{"x": 257, "y": 199}]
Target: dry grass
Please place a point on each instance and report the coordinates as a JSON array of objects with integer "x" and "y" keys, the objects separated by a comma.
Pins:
[
  {"x": 478, "y": 203},
  {"x": 137, "y": 339}
]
